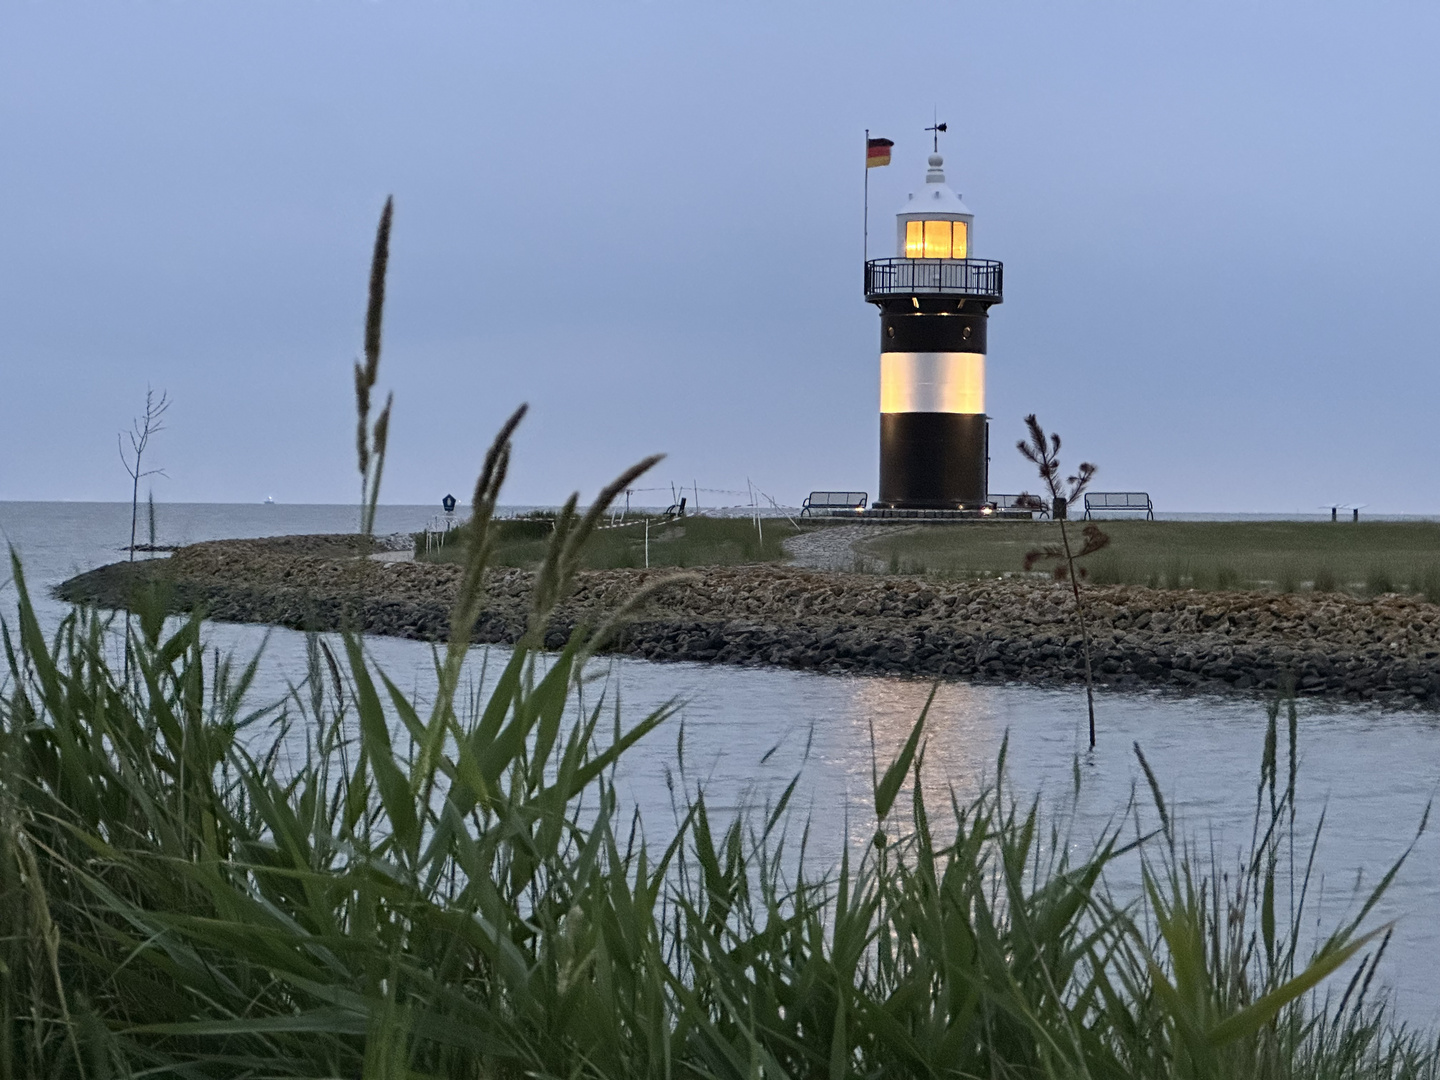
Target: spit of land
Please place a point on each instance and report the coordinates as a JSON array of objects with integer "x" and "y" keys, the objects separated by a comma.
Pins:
[{"x": 939, "y": 613}]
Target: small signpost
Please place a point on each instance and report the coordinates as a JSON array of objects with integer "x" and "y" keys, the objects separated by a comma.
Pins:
[{"x": 448, "y": 502}]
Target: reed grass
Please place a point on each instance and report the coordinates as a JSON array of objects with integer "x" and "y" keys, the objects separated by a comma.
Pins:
[
  {"x": 1427, "y": 582},
  {"x": 196, "y": 886}
]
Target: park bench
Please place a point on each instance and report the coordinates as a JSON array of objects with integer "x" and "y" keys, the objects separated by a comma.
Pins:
[
  {"x": 1023, "y": 501},
  {"x": 829, "y": 503},
  {"x": 1138, "y": 501}
]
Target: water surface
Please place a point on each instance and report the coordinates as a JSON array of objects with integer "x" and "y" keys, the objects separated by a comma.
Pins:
[{"x": 747, "y": 731}]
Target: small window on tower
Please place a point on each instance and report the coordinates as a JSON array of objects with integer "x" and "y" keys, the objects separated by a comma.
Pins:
[
  {"x": 960, "y": 247},
  {"x": 914, "y": 240},
  {"x": 937, "y": 239}
]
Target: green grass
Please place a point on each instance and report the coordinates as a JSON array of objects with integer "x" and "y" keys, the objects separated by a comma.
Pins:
[
  {"x": 1370, "y": 557},
  {"x": 462, "y": 894},
  {"x": 686, "y": 542}
]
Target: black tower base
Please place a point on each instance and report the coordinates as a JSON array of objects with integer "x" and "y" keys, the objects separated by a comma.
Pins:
[{"x": 932, "y": 460}]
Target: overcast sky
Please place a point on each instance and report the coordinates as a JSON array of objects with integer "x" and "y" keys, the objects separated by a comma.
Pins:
[{"x": 1218, "y": 221}]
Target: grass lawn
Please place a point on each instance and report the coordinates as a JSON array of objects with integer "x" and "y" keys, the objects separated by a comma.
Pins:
[
  {"x": 691, "y": 541},
  {"x": 1373, "y": 557}
]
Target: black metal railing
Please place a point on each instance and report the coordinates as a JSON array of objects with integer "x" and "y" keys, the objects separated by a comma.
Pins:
[{"x": 982, "y": 278}]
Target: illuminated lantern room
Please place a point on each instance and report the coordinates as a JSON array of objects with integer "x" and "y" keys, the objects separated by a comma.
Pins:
[{"x": 934, "y": 223}]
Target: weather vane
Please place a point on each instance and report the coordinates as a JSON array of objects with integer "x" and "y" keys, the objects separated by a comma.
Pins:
[{"x": 935, "y": 130}]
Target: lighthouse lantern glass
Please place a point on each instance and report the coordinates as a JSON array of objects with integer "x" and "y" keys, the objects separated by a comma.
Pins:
[
  {"x": 914, "y": 239},
  {"x": 936, "y": 240}
]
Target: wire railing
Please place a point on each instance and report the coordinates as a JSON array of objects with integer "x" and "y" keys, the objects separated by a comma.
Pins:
[{"x": 980, "y": 278}]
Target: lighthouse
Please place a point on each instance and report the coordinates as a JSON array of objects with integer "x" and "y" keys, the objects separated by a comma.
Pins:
[{"x": 934, "y": 302}]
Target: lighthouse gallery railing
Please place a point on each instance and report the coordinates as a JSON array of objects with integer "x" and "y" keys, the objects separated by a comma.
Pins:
[{"x": 981, "y": 278}]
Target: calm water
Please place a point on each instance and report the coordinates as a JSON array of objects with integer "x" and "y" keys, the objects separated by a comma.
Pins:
[{"x": 746, "y": 732}]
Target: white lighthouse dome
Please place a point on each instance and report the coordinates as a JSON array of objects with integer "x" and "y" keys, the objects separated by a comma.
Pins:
[{"x": 934, "y": 223}]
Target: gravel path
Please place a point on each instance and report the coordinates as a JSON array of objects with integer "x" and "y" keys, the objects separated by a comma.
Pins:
[
  {"x": 829, "y": 547},
  {"x": 393, "y": 556},
  {"x": 835, "y": 547}
]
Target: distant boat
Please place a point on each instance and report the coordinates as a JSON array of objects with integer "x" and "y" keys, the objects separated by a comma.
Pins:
[{"x": 269, "y": 500}]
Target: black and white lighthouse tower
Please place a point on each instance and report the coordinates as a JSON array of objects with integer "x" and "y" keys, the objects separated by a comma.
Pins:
[{"x": 934, "y": 302}]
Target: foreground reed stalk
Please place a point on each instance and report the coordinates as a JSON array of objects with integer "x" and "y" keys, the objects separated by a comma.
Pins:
[{"x": 371, "y": 439}]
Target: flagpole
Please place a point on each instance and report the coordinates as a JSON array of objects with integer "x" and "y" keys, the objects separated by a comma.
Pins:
[{"x": 866, "y": 248}]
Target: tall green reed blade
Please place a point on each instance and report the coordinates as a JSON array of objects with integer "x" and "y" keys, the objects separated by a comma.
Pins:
[
  {"x": 1229, "y": 993},
  {"x": 889, "y": 785},
  {"x": 468, "y": 599},
  {"x": 393, "y": 784}
]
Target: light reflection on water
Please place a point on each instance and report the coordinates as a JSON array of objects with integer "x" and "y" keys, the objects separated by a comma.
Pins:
[
  {"x": 1371, "y": 773},
  {"x": 746, "y": 733}
]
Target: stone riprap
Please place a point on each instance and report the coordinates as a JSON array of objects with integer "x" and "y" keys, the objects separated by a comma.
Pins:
[{"x": 1022, "y": 629}]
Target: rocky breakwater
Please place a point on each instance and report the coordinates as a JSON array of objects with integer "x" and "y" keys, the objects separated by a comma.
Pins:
[{"x": 1385, "y": 649}]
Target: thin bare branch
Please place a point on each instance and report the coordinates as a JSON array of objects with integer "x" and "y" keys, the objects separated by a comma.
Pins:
[
  {"x": 1043, "y": 452},
  {"x": 142, "y": 429}
]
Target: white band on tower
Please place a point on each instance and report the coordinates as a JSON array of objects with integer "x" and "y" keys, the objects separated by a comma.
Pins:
[{"x": 932, "y": 382}]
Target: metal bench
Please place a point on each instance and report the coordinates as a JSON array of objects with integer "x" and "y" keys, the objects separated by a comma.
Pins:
[
  {"x": 1023, "y": 501},
  {"x": 833, "y": 503},
  {"x": 1137, "y": 501}
]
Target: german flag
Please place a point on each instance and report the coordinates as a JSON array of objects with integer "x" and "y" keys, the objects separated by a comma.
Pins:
[{"x": 877, "y": 152}]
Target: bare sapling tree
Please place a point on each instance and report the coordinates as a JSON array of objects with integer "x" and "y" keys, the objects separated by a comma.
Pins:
[
  {"x": 370, "y": 439},
  {"x": 1044, "y": 453},
  {"x": 142, "y": 429}
]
